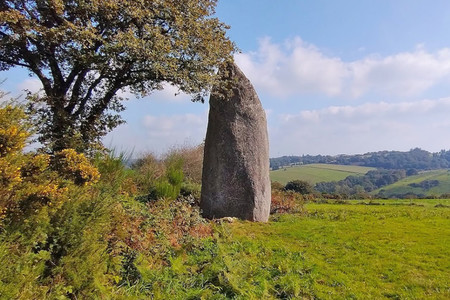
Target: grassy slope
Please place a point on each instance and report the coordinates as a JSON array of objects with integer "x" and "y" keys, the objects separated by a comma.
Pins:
[
  {"x": 401, "y": 187},
  {"x": 314, "y": 173},
  {"x": 342, "y": 252}
]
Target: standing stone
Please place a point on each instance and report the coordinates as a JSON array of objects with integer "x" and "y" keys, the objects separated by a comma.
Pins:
[{"x": 235, "y": 179}]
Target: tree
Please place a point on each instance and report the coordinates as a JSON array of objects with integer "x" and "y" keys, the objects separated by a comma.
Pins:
[
  {"x": 84, "y": 52},
  {"x": 299, "y": 186}
]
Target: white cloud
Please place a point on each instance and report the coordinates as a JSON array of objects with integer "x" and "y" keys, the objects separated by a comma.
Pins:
[
  {"x": 403, "y": 74},
  {"x": 297, "y": 68},
  {"x": 364, "y": 128},
  {"x": 162, "y": 132},
  {"x": 125, "y": 138},
  {"x": 157, "y": 134},
  {"x": 170, "y": 93}
]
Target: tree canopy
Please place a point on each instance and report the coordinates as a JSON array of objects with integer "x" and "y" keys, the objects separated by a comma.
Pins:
[
  {"x": 299, "y": 186},
  {"x": 85, "y": 52}
]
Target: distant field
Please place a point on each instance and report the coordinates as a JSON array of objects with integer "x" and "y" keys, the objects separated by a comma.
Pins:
[
  {"x": 403, "y": 202},
  {"x": 341, "y": 252},
  {"x": 402, "y": 186},
  {"x": 315, "y": 173}
]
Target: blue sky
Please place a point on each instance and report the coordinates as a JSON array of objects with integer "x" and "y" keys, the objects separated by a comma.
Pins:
[{"x": 334, "y": 77}]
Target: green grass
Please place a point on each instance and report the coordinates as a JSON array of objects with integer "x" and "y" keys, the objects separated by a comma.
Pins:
[
  {"x": 347, "y": 251},
  {"x": 402, "y": 186},
  {"x": 315, "y": 173},
  {"x": 403, "y": 202}
]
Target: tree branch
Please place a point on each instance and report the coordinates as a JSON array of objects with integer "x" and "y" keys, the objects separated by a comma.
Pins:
[
  {"x": 119, "y": 82},
  {"x": 14, "y": 62},
  {"x": 88, "y": 95},
  {"x": 98, "y": 109},
  {"x": 76, "y": 89},
  {"x": 71, "y": 77},
  {"x": 58, "y": 78}
]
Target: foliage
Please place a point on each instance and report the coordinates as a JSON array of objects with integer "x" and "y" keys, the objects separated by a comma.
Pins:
[
  {"x": 362, "y": 184},
  {"x": 68, "y": 233},
  {"x": 27, "y": 183},
  {"x": 191, "y": 189},
  {"x": 425, "y": 184},
  {"x": 86, "y": 53},
  {"x": 168, "y": 184},
  {"x": 299, "y": 186},
  {"x": 13, "y": 129},
  {"x": 40, "y": 231},
  {"x": 192, "y": 157},
  {"x": 276, "y": 186},
  {"x": 286, "y": 202},
  {"x": 177, "y": 172},
  {"x": 76, "y": 167},
  {"x": 148, "y": 170}
]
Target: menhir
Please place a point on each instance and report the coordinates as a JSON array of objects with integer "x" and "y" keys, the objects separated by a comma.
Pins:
[{"x": 235, "y": 179}]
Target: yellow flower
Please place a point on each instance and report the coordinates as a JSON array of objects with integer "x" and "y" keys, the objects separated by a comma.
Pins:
[{"x": 77, "y": 167}]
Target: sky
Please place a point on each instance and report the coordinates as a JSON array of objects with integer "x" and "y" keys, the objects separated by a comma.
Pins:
[{"x": 335, "y": 77}]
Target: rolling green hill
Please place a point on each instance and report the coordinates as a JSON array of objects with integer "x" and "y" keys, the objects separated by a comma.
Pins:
[
  {"x": 442, "y": 186},
  {"x": 314, "y": 173}
]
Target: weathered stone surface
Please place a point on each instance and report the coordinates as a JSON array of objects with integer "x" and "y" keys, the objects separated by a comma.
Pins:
[{"x": 235, "y": 179}]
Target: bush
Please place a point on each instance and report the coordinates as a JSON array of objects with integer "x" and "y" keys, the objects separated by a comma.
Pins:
[
  {"x": 76, "y": 167},
  {"x": 286, "y": 202},
  {"x": 177, "y": 173},
  {"x": 27, "y": 183},
  {"x": 299, "y": 186},
  {"x": 192, "y": 158},
  {"x": 148, "y": 169},
  {"x": 169, "y": 185},
  {"x": 50, "y": 234},
  {"x": 276, "y": 186}
]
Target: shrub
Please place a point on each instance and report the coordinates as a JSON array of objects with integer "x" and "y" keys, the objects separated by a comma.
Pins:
[
  {"x": 50, "y": 241},
  {"x": 148, "y": 170},
  {"x": 14, "y": 129},
  {"x": 276, "y": 186},
  {"x": 299, "y": 186},
  {"x": 286, "y": 202},
  {"x": 177, "y": 173},
  {"x": 76, "y": 167},
  {"x": 27, "y": 183},
  {"x": 192, "y": 161},
  {"x": 191, "y": 189}
]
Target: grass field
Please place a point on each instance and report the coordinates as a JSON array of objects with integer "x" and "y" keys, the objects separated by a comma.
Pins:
[
  {"x": 402, "y": 186},
  {"x": 403, "y": 202},
  {"x": 314, "y": 173},
  {"x": 348, "y": 251}
]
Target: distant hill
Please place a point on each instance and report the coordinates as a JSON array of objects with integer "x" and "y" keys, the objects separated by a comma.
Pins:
[
  {"x": 314, "y": 173},
  {"x": 417, "y": 159},
  {"x": 427, "y": 183}
]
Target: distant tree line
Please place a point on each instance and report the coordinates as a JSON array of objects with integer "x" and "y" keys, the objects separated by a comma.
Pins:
[
  {"x": 361, "y": 184},
  {"x": 352, "y": 187},
  {"x": 413, "y": 160},
  {"x": 426, "y": 184}
]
